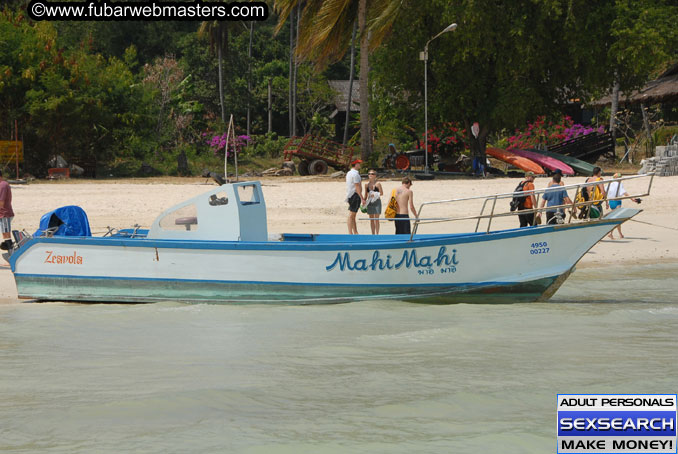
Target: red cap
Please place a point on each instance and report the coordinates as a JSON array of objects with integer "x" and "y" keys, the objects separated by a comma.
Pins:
[{"x": 357, "y": 161}]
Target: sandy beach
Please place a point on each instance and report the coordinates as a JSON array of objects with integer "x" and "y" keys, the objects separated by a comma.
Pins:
[{"x": 316, "y": 205}]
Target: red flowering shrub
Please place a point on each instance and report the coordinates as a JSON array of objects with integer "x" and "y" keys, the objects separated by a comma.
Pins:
[
  {"x": 448, "y": 136},
  {"x": 541, "y": 133}
]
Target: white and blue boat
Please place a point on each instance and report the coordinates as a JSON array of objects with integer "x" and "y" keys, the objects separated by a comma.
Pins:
[{"x": 216, "y": 248}]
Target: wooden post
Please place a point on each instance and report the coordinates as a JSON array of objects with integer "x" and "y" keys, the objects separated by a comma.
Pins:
[{"x": 228, "y": 136}]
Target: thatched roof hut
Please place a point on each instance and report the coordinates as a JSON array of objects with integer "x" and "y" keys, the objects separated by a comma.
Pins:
[
  {"x": 340, "y": 88},
  {"x": 663, "y": 89}
]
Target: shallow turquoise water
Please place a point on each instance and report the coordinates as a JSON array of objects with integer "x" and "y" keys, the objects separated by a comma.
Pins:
[{"x": 361, "y": 378}]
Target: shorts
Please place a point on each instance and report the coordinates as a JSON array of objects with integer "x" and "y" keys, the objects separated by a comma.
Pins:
[
  {"x": 354, "y": 203},
  {"x": 6, "y": 225},
  {"x": 403, "y": 226},
  {"x": 374, "y": 207},
  {"x": 614, "y": 204},
  {"x": 526, "y": 219}
]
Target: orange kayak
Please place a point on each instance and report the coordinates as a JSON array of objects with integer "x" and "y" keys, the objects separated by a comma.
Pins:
[{"x": 517, "y": 161}]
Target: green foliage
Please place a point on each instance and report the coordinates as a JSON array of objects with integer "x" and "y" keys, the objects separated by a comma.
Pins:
[
  {"x": 664, "y": 134},
  {"x": 503, "y": 73},
  {"x": 266, "y": 145},
  {"x": 83, "y": 89},
  {"x": 644, "y": 39}
]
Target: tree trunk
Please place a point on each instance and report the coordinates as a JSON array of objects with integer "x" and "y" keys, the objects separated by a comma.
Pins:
[
  {"x": 270, "y": 106},
  {"x": 614, "y": 107},
  {"x": 349, "y": 101},
  {"x": 182, "y": 163},
  {"x": 296, "y": 67},
  {"x": 649, "y": 151},
  {"x": 221, "y": 79},
  {"x": 290, "y": 75},
  {"x": 365, "y": 134},
  {"x": 249, "y": 78}
]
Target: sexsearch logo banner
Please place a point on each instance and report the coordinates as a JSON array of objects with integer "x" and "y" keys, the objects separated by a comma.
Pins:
[{"x": 616, "y": 423}]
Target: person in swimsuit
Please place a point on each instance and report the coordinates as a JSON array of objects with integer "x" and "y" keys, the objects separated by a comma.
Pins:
[
  {"x": 373, "y": 193},
  {"x": 405, "y": 199}
]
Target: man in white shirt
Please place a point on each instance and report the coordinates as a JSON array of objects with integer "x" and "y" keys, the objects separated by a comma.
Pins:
[
  {"x": 614, "y": 190},
  {"x": 354, "y": 195}
]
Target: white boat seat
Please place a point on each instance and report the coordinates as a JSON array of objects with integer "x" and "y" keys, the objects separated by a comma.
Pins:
[{"x": 188, "y": 221}]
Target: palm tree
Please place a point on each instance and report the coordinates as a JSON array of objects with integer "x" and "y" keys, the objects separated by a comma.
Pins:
[
  {"x": 217, "y": 32},
  {"x": 349, "y": 98},
  {"x": 325, "y": 28}
]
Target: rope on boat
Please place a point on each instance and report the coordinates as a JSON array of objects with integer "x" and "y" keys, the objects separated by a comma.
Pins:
[{"x": 654, "y": 225}]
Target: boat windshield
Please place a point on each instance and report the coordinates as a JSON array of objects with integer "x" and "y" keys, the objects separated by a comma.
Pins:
[
  {"x": 183, "y": 218},
  {"x": 248, "y": 195}
]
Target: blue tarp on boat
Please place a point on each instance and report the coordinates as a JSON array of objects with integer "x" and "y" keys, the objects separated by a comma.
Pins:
[{"x": 71, "y": 221}]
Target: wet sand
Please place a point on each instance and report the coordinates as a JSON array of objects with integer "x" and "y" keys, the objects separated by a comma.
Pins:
[{"x": 316, "y": 205}]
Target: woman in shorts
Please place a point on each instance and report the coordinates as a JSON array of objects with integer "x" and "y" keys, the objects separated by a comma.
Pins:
[{"x": 373, "y": 193}]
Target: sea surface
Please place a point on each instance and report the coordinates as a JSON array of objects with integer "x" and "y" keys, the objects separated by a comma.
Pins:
[{"x": 372, "y": 377}]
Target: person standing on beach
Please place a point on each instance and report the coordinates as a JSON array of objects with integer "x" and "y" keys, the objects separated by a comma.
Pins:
[
  {"x": 530, "y": 201},
  {"x": 597, "y": 192},
  {"x": 405, "y": 199},
  {"x": 555, "y": 196},
  {"x": 6, "y": 213},
  {"x": 614, "y": 190},
  {"x": 557, "y": 172},
  {"x": 373, "y": 193},
  {"x": 354, "y": 195}
]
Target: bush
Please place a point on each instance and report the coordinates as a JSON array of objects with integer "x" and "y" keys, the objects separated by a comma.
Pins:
[
  {"x": 663, "y": 135},
  {"x": 542, "y": 133},
  {"x": 266, "y": 145}
]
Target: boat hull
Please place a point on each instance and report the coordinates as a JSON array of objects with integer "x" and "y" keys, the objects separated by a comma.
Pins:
[
  {"x": 151, "y": 290},
  {"x": 504, "y": 266}
]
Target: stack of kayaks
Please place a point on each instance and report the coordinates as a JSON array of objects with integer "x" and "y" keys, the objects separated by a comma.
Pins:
[
  {"x": 538, "y": 160},
  {"x": 517, "y": 161},
  {"x": 579, "y": 166},
  {"x": 547, "y": 162}
]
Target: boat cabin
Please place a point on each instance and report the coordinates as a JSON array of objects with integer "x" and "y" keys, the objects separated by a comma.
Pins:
[{"x": 231, "y": 212}]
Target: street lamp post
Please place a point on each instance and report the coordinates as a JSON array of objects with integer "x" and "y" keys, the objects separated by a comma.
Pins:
[{"x": 424, "y": 56}]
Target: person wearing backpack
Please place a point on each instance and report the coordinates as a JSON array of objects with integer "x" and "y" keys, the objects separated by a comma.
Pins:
[
  {"x": 596, "y": 193},
  {"x": 527, "y": 202}
]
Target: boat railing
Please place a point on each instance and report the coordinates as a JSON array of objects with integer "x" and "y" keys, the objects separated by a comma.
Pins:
[{"x": 492, "y": 202}]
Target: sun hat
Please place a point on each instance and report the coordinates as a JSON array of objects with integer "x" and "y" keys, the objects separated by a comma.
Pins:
[
  {"x": 357, "y": 161},
  {"x": 529, "y": 174}
]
